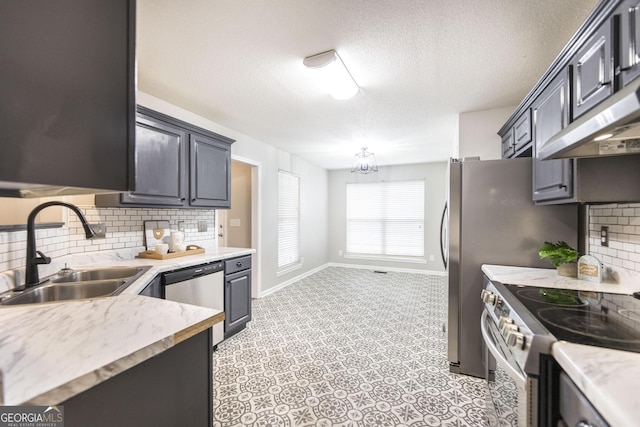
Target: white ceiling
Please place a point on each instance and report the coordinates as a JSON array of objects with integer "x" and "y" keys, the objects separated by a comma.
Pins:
[{"x": 419, "y": 63}]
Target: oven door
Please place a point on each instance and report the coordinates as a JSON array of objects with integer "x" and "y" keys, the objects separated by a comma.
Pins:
[{"x": 507, "y": 385}]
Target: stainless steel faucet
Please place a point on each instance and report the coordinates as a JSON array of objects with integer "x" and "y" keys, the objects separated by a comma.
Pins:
[{"x": 34, "y": 257}]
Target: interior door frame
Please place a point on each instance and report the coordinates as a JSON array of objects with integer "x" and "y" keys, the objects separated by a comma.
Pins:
[{"x": 256, "y": 221}]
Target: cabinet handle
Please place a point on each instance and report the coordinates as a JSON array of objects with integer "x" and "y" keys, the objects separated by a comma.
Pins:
[
  {"x": 193, "y": 200},
  {"x": 183, "y": 199},
  {"x": 238, "y": 264}
]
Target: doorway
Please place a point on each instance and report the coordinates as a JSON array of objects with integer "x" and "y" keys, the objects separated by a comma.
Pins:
[{"x": 239, "y": 226}]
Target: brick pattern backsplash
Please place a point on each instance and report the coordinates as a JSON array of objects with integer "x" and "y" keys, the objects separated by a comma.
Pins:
[
  {"x": 623, "y": 220},
  {"x": 125, "y": 229}
]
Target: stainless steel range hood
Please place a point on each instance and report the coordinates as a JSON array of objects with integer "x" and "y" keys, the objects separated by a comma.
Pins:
[{"x": 612, "y": 128}]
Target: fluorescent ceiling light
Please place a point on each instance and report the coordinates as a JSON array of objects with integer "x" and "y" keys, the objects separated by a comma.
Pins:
[{"x": 333, "y": 74}]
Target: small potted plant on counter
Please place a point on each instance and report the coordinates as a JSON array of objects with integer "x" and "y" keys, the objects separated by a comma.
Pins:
[{"x": 562, "y": 256}]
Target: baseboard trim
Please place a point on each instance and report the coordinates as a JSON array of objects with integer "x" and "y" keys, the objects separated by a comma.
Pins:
[
  {"x": 292, "y": 280},
  {"x": 394, "y": 269}
]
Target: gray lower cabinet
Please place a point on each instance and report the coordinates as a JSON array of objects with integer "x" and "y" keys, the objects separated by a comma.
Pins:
[
  {"x": 237, "y": 294},
  {"x": 552, "y": 179},
  {"x": 174, "y": 388},
  {"x": 178, "y": 166}
]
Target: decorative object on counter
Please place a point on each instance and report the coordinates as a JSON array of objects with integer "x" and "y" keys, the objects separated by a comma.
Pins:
[
  {"x": 176, "y": 238},
  {"x": 189, "y": 250},
  {"x": 365, "y": 162},
  {"x": 562, "y": 256},
  {"x": 156, "y": 232},
  {"x": 162, "y": 248},
  {"x": 590, "y": 269}
]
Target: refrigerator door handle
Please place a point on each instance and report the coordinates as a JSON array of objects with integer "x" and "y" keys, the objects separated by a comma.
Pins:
[{"x": 443, "y": 236}]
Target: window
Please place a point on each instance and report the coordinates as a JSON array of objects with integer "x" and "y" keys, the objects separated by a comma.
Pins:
[
  {"x": 386, "y": 218},
  {"x": 288, "y": 220}
]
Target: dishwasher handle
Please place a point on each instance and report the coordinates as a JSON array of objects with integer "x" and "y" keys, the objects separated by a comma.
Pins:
[{"x": 181, "y": 275}]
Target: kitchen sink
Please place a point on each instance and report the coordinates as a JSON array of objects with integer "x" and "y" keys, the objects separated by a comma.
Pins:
[
  {"x": 96, "y": 274},
  {"x": 75, "y": 285}
]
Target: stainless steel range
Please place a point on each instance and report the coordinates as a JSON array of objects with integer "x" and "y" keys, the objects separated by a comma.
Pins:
[{"x": 520, "y": 324}]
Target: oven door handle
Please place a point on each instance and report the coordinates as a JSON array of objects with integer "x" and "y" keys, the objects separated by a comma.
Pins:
[{"x": 504, "y": 363}]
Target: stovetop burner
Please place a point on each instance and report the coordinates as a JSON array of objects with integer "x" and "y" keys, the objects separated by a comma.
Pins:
[
  {"x": 596, "y": 326},
  {"x": 591, "y": 318},
  {"x": 559, "y": 297}
]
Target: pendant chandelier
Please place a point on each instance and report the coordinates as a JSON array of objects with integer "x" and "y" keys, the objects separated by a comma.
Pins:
[{"x": 365, "y": 162}]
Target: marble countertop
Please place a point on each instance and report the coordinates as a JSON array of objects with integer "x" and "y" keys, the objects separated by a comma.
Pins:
[
  {"x": 608, "y": 378},
  {"x": 51, "y": 352},
  {"x": 620, "y": 283}
]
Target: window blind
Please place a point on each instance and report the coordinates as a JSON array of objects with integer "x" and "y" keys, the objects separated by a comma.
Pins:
[
  {"x": 386, "y": 218},
  {"x": 288, "y": 219}
]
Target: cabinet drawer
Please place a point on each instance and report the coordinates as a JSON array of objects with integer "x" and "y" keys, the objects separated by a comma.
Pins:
[{"x": 237, "y": 264}]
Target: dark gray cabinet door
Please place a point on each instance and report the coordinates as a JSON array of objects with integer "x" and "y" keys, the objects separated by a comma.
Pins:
[
  {"x": 522, "y": 132},
  {"x": 161, "y": 164},
  {"x": 210, "y": 168},
  {"x": 237, "y": 301},
  {"x": 592, "y": 69},
  {"x": 552, "y": 179},
  {"x": 629, "y": 41},
  {"x": 507, "y": 144},
  {"x": 67, "y": 95}
]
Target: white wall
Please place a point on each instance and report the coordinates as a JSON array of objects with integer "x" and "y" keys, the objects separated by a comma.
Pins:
[
  {"x": 478, "y": 132},
  {"x": 434, "y": 175},
  {"x": 313, "y": 198}
]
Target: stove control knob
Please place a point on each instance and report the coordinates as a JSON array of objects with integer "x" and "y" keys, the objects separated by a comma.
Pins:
[
  {"x": 508, "y": 328},
  {"x": 515, "y": 339},
  {"x": 503, "y": 321},
  {"x": 488, "y": 297}
]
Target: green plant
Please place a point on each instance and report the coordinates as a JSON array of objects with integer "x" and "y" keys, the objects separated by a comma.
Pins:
[{"x": 558, "y": 253}]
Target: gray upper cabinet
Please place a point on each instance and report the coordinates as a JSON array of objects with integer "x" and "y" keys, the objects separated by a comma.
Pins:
[
  {"x": 210, "y": 165},
  {"x": 516, "y": 140},
  {"x": 592, "y": 68},
  {"x": 629, "y": 41},
  {"x": 552, "y": 179},
  {"x": 67, "y": 96},
  {"x": 161, "y": 164},
  {"x": 508, "y": 148},
  {"x": 522, "y": 132},
  {"x": 178, "y": 165}
]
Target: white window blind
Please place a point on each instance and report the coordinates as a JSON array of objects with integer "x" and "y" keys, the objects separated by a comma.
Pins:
[
  {"x": 288, "y": 219},
  {"x": 386, "y": 218}
]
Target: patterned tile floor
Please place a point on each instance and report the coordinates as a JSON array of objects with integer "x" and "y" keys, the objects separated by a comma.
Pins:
[{"x": 346, "y": 347}]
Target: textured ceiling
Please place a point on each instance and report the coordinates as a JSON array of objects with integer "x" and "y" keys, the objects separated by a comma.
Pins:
[{"x": 419, "y": 63}]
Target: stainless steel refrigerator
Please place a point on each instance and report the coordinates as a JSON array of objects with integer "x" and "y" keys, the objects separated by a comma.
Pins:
[{"x": 490, "y": 219}]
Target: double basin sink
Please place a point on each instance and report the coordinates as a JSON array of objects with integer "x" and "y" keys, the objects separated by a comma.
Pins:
[{"x": 76, "y": 284}]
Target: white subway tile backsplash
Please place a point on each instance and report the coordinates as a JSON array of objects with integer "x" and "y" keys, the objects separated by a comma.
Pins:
[
  {"x": 124, "y": 230},
  {"x": 624, "y": 234}
]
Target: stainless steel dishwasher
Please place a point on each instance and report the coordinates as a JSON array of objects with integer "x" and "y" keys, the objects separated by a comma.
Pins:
[{"x": 201, "y": 285}]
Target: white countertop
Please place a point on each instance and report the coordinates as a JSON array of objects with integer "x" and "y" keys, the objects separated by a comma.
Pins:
[
  {"x": 624, "y": 282},
  {"x": 51, "y": 352},
  {"x": 608, "y": 378}
]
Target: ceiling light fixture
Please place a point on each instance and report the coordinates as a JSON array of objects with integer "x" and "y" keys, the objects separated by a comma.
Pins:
[
  {"x": 333, "y": 73},
  {"x": 365, "y": 162}
]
